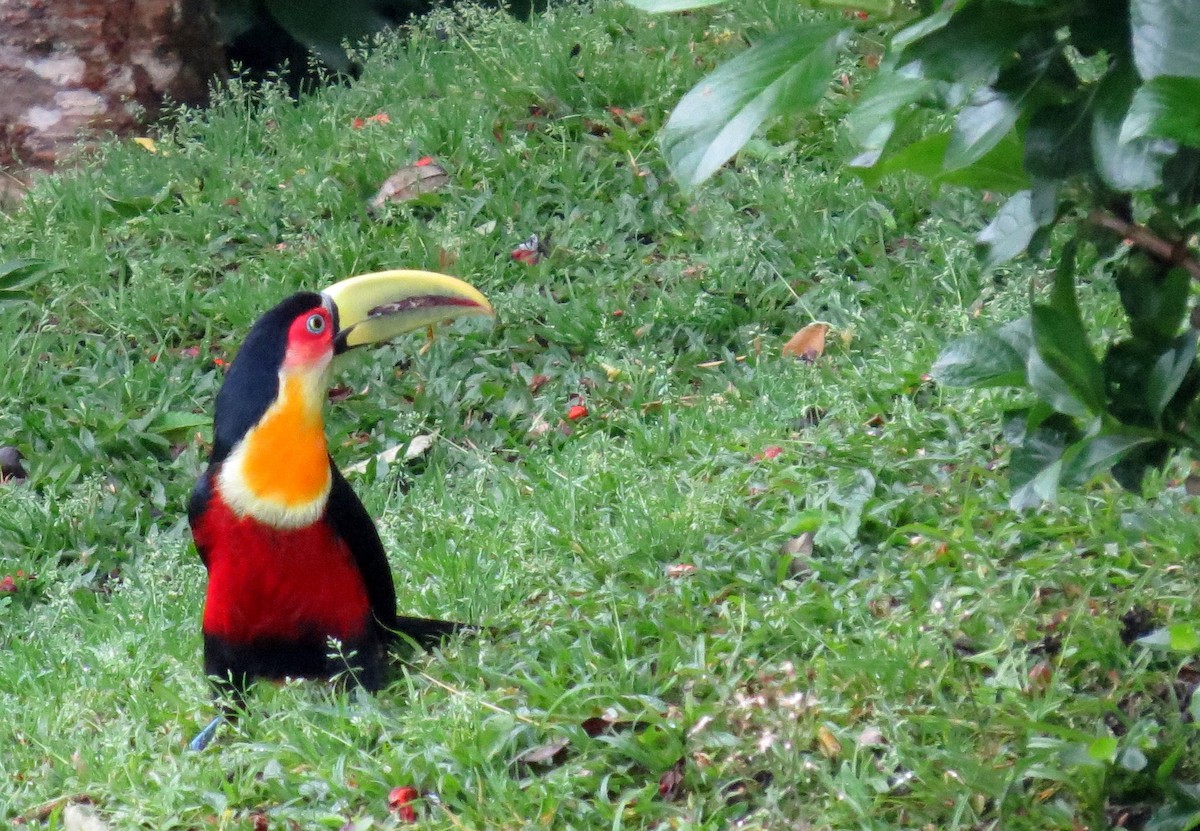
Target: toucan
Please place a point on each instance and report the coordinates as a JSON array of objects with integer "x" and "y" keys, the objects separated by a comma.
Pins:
[{"x": 298, "y": 582}]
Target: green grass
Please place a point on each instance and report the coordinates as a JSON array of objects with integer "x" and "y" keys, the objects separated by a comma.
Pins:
[{"x": 937, "y": 661}]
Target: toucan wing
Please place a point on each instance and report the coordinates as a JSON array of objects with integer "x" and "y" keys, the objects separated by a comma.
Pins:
[
  {"x": 197, "y": 505},
  {"x": 354, "y": 525}
]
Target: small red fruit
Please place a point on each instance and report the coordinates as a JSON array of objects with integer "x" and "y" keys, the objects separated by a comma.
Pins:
[{"x": 400, "y": 803}]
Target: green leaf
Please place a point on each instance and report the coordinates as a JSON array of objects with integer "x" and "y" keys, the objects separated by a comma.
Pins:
[
  {"x": 1103, "y": 749},
  {"x": 1179, "y": 637},
  {"x": 1058, "y": 142},
  {"x": 983, "y": 360},
  {"x": 1124, "y": 164},
  {"x": 659, "y": 6},
  {"x": 1019, "y": 335},
  {"x": 1169, "y": 371},
  {"x": 1051, "y": 388},
  {"x": 1090, "y": 457},
  {"x": 971, "y": 47},
  {"x": 873, "y": 119},
  {"x": 1166, "y": 107},
  {"x": 979, "y": 127},
  {"x": 1165, "y": 35},
  {"x": 1156, "y": 302},
  {"x": 138, "y": 198},
  {"x": 999, "y": 171},
  {"x": 179, "y": 422},
  {"x": 922, "y": 28},
  {"x": 1036, "y": 465},
  {"x": 18, "y": 275},
  {"x": 787, "y": 72},
  {"x": 1065, "y": 373},
  {"x": 1062, "y": 290},
  {"x": 1009, "y": 232},
  {"x": 879, "y": 8}
]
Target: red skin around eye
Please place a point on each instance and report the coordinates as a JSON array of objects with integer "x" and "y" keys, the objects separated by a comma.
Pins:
[{"x": 305, "y": 347}]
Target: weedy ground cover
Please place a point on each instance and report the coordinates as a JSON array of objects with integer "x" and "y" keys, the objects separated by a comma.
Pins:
[{"x": 725, "y": 584}]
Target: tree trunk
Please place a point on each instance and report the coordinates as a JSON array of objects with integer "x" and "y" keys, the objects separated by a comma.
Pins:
[{"x": 71, "y": 69}]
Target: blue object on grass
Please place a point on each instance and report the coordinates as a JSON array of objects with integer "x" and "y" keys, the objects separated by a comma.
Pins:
[{"x": 206, "y": 735}]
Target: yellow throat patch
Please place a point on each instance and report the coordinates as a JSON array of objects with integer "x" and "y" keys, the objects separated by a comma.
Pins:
[{"x": 279, "y": 472}]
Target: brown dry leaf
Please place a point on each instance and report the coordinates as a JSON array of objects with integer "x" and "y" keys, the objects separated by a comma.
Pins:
[
  {"x": 417, "y": 446},
  {"x": 808, "y": 344},
  {"x": 10, "y": 465},
  {"x": 409, "y": 182},
  {"x": 542, "y": 758},
  {"x": 610, "y": 722},
  {"x": 539, "y": 427},
  {"x": 830, "y": 746},
  {"x": 798, "y": 546},
  {"x": 670, "y": 784},
  {"x": 871, "y": 736},
  {"x": 677, "y": 570},
  {"x": 1040, "y": 676},
  {"x": 798, "y": 551}
]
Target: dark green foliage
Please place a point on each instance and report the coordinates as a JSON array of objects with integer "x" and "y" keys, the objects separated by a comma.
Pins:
[{"x": 1085, "y": 115}]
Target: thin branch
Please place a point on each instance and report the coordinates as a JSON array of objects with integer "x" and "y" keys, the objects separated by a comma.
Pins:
[{"x": 1175, "y": 254}]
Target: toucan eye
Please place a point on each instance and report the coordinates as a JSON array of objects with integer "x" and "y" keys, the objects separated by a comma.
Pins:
[{"x": 316, "y": 324}]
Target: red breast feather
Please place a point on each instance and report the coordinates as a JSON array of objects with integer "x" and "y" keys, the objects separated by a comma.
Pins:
[{"x": 270, "y": 583}]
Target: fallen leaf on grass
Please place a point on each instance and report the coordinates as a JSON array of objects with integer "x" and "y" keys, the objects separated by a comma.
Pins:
[
  {"x": 539, "y": 427},
  {"x": 808, "y": 344},
  {"x": 417, "y": 446},
  {"x": 677, "y": 570},
  {"x": 670, "y": 784},
  {"x": 870, "y": 737},
  {"x": 830, "y": 746},
  {"x": 10, "y": 465},
  {"x": 1040, "y": 676},
  {"x": 543, "y": 757},
  {"x": 339, "y": 392},
  {"x": 798, "y": 553},
  {"x": 611, "y": 723},
  {"x": 409, "y": 182}
]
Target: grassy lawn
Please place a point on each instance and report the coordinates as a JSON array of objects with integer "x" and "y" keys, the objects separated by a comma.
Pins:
[{"x": 740, "y": 588}]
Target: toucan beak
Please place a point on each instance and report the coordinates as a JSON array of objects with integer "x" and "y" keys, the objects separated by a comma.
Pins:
[{"x": 373, "y": 308}]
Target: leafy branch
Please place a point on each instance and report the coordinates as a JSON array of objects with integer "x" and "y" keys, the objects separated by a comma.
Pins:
[
  {"x": 1174, "y": 254},
  {"x": 1065, "y": 107}
]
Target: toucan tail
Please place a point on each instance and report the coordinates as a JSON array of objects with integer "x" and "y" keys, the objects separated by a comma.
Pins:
[{"x": 426, "y": 632}]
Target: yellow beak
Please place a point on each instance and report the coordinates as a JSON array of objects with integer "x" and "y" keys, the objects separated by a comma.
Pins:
[{"x": 373, "y": 308}]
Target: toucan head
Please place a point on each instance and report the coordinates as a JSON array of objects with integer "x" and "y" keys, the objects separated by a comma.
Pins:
[{"x": 268, "y": 432}]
